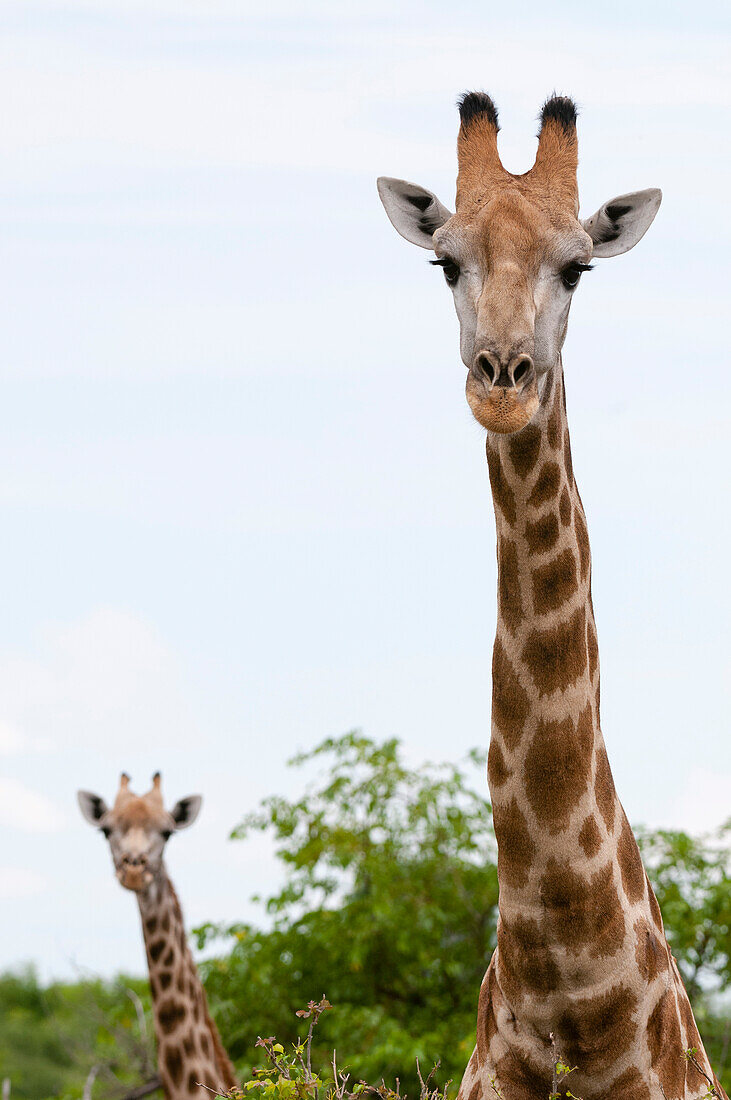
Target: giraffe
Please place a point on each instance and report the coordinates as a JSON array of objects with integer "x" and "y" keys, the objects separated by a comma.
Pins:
[
  {"x": 582, "y": 971},
  {"x": 190, "y": 1053}
]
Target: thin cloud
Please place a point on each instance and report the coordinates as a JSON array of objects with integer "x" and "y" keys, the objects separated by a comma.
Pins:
[
  {"x": 19, "y": 882},
  {"x": 107, "y": 678},
  {"x": 26, "y": 809},
  {"x": 12, "y": 740}
]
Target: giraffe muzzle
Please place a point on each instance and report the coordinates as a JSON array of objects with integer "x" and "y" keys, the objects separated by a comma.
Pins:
[
  {"x": 134, "y": 873},
  {"x": 502, "y": 392}
]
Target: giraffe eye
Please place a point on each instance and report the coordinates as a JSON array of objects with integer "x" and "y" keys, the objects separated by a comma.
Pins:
[
  {"x": 449, "y": 267},
  {"x": 572, "y": 273}
]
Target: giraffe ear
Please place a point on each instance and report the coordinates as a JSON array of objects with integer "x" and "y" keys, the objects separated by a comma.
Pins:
[
  {"x": 92, "y": 807},
  {"x": 413, "y": 211},
  {"x": 186, "y": 811},
  {"x": 620, "y": 223}
]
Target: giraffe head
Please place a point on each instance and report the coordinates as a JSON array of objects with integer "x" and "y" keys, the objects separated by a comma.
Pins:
[
  {"x": 513, "y": 253},
  {"x": 138, "y": 828}
]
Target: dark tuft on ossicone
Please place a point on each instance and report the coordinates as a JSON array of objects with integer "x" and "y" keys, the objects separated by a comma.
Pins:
[
  {"x": 475, "y": 104},
  {"x": 560, "y": 109}
]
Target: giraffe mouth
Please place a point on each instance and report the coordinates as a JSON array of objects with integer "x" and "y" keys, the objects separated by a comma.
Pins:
[
  {"x": 502, "y": 409},
  {"x": 134, "y": 878}
]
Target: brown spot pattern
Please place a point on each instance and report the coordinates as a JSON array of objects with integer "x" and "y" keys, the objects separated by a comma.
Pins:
[
  {"x": 557, "y": 769},
  {"x": 567, "y": 461},
  {"x": 686, "y": 1014},
  {"x": 156, "y": 949},
  {"x": 606, "y": 796},
  {"x": 554, "y": 583},
  {"x": 173, "y": 1063},
  {"x": 169, "y": 1015},
  {"x": 502, "y": 494},
  {"x": 543, "y": 534},
  {"x": 526, "y": 961},
  {"x": 583, "y": 913},
  {"x": 547, "y": 484},
  {"x": 508, "y": 585},
  {"x": 151, "y": 924},
  {"x": 490, "y": 1000},
  {"x": 592, "y": 646},
  {"x": 596, "y": 1033},
  {"x": 589, "y": 837},
  {"x": 557, "y": 657},
  {"x": 476, "y": 1090},
  {"x": 518, "y": 1080},
  {"x": 630, "y": 864},
  {"x": 564, "y": 507},
  {"x": 165, "y": 980},
  {"x": 630, "y": 1085},
  {"x": 524, "y": 448},
  {"x": 651, "y": 953},
  {"x": 515, "y": 846},
  {"x": 694, "y": 1077},
  {"x": 192, "y": 1082},
  {"x": 654, "y": 907},
  {"x": 548, "y": 387},
  {"x": 666, "y": 1049},
  {"x": 582, "y": 540},
  {"x": 497, "y": 771},
  {"x": 488, "y": 1021},
  {"x": 509, "y": 699}
]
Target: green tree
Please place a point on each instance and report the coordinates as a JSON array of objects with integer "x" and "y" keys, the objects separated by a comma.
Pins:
[
  {"x": 389, "y": 907},
  {"x": 692, "y": 879},
  {"x": 51, "y": 1036}
]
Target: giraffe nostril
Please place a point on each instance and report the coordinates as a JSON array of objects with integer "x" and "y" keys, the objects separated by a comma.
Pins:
[
  {"x": 520, "y": 370},
  {"x": 487, "y": 368}
]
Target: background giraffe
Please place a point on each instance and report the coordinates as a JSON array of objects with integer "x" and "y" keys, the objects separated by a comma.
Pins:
[
  {"x": 582, "y": 968},
  {"x": 190, "y": 1053}
]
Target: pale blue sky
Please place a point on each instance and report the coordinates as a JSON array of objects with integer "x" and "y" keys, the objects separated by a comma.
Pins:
[{"x": 244, "y": 503}]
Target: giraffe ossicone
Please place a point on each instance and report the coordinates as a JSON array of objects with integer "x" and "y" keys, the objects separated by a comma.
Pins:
[
  {"x": 191, "y": 1057},
  {"x": 582, "y": 968}
]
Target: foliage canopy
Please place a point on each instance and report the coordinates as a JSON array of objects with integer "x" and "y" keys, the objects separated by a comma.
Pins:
[{"x": 388, "y": 905}]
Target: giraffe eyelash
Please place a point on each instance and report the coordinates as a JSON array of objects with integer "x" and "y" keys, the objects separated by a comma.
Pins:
[
  {"x": 449, "y": 267},
  {"x": 571, "y": 274}
]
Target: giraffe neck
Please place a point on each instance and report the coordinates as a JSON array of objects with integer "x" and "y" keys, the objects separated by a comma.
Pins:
[
  {"x": 189, "y": 1048},
  {"x": 564, "y": 846},
  {"x": 582, "y": 966}
]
